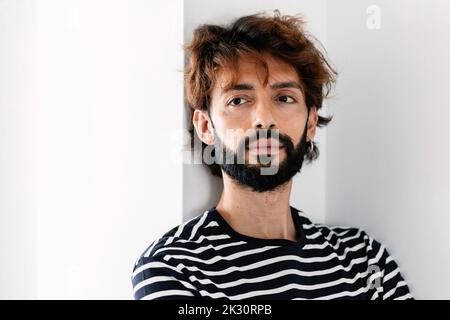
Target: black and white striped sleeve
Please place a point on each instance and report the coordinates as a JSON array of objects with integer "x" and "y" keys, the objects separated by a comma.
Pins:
[
  {"x": 154, "y": 279},
  {"x": 392, "y": 285}
]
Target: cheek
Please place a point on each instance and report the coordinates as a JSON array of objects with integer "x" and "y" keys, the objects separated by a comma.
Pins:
[
  {"x": 232, "y": 138},
  {"x": 231, "y": 131},
  {"x": 237, "y": 121},
  {"x": 294, "y": 129}
]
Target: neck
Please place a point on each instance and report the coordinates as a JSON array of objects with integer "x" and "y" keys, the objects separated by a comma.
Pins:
[{"x": 264, "y": 215}]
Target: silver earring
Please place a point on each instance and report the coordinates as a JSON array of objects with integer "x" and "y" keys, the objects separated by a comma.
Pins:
[{"x": 312, "y": 145}]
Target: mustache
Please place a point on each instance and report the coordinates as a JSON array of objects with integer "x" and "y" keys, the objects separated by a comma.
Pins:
[{"x": 283, "y": 140}]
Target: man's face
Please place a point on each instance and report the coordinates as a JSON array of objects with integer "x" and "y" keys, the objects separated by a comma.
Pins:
[{"x": 239, "y": 114}]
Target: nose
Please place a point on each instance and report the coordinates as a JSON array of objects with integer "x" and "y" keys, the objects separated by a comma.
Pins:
[{"x": 263, "y": 117}]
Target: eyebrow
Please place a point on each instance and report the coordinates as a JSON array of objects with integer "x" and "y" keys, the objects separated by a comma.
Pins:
[{"x": 277, "y": 85}]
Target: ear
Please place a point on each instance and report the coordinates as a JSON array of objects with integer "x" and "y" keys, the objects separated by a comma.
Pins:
[
  {"x": 312, "y": 123},
  {"x": 203, "y": 126}
]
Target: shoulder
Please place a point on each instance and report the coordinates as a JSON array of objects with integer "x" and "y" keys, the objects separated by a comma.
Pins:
[
  {"x": 185, "y": 235},
  {"x": 370, "y": 255},
  {"x": 154, "y": 276},
  {"x": 343, "y": 238}
]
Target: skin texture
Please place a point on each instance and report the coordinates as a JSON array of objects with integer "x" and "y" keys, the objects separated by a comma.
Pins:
[{"x": 263, "y": 215}]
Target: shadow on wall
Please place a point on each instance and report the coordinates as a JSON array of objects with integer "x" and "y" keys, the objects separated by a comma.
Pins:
[{"x": 201, "y": 190}]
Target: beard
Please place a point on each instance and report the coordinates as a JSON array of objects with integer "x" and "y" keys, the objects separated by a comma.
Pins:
[{"x": 249, "y": 175}]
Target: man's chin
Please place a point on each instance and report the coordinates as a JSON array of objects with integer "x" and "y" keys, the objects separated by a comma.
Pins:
[
  {"x": 262, "y": 165},
  {"x": 264, "y": 161}
]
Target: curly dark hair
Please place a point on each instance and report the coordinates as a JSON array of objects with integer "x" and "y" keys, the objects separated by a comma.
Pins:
[{"x": 214, "y": 48}]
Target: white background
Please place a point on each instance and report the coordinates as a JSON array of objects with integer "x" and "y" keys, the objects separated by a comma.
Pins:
[
  {"x": 88, "y": 99},
  {"x": 91, "y": 100}
]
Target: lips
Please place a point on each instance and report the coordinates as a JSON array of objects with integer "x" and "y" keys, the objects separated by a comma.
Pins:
[{"x": 265, "y": 144}]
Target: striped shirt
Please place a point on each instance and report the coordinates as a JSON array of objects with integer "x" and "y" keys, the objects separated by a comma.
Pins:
[{"x": 204, "y": 258}]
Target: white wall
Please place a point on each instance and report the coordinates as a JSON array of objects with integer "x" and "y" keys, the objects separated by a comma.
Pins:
[
  {"x": 388, "y": 146},
  {"x": 18, "y": 234},
  {"x": 200, "y": 189},
  {"x": 90, "y": 95}
]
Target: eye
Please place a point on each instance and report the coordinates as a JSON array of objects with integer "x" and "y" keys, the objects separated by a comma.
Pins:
[
  {"x": 237, "y": 101},
  {"x": 286, "y": 99}
]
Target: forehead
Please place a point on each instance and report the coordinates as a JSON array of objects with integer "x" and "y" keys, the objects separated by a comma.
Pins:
[{"x": 248, "y": 69}]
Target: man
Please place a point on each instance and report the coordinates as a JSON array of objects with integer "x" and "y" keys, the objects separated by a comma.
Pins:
[{"x": 262, "y": 80}]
